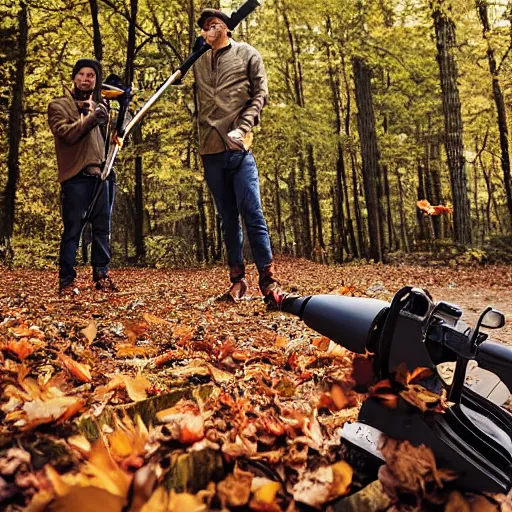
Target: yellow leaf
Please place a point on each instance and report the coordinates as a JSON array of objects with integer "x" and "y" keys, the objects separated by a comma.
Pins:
[
  {"x": 342, "y": 473},
  {"x": 78, "y": 370},
  {"x": 80, "y": 443},
  {"x": 88, "y": 499},
  {"x": 158, "y": 502},
  {"x": 136, "y": 387},
  {"x": 281, "y": 341},
  {"x": 183, "y": 501},
  {"x": 90, "y": 331},
  {"x": 267, "y": 492}
]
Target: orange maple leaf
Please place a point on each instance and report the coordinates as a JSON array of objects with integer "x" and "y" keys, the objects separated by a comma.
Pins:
[
  {"x": 22, "y": 348},
  {"x": 433, "y": 210},
  {"x": 78, "y": 370}
]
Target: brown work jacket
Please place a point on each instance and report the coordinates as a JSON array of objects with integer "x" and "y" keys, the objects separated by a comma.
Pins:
[
  {"x": 77, "y": 145},
  {"x": 231, "y": 92}
]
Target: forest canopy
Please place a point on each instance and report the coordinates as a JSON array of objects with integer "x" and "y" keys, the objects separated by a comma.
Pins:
[{"x": 374, "y": 106}]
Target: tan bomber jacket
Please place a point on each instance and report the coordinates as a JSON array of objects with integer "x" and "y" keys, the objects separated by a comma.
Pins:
[
  {"x": 76, "y": 144},
  {"x": 232, "y": 90}
]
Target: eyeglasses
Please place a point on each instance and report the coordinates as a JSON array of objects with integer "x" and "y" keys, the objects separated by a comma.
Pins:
[{"x": 213, "y": 26}]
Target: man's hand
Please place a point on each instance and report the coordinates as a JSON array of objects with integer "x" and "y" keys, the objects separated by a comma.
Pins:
[
  {"x": 98, "y": 116},
  {"x": 237, "y": 136}
]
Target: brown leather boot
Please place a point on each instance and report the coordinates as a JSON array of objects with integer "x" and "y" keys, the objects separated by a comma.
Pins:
[
  {"x": 239, "y": 286},
  {"x": 238, "y": 289},
  {"x": 269, "y": 286}
]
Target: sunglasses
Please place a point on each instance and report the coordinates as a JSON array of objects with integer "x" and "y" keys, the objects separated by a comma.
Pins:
[{"x": 213, "y": 26}]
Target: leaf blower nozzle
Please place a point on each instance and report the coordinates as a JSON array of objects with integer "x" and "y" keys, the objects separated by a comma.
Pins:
[{"x": 349, "y": 321}]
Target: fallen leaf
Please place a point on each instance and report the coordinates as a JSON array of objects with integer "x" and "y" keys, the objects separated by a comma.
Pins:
[
  {"x": 136, "y": 387},
  {"x": 281, "y": 341},
  {"x": 151, "y": 319},
  {"x": 78, "y": 370},
  {"x": 235, "y": 489},
  {"x": 342, "y": 472},
  {"x": 22, "y": 348},
  {"x": 90, "y": 331}
]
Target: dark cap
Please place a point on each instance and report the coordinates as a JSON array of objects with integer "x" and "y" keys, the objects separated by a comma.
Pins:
[
  {"x": 94, "y": 64},
  {"x": 212, "y": 13},
  {"x": 87, "y": 63}
]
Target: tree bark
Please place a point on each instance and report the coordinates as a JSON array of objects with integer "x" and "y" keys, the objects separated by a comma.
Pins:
[
  {"x": 482, "y": 8},
  {"x": 140, "y": 249},
  {"x": 454, "y": 144},
  {"x": 315, "y": 200},
  {"x": 369, "y": 153},
  {"x": 98, "y": 46},
  {"x": 15, "y": 130}
]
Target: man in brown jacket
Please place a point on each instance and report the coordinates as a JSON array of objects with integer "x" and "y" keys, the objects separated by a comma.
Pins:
[
  {"x": 232, "y": 91},
  {"x": 75, "y": 120}
]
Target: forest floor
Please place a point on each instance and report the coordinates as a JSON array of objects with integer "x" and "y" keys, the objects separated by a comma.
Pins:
[{"x": 255, "y": 385}]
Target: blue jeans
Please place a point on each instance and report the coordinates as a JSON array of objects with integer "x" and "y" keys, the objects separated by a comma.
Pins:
[
  {"x": 77, "y": 194},
  {"x": 232, "y": 177}
]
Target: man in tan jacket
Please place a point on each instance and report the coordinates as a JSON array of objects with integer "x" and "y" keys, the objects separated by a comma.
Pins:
[
  {"x": 232, "y": 91},
  {"x": 75, "y": 120}
]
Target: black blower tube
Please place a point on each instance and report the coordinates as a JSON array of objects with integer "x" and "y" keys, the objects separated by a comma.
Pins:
[
  {"x": 497, "y": 358},
  {"x": 348, "y": 321}
]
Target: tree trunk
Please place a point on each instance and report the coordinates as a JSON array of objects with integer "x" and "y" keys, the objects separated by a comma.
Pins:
[
  {"x": 369, "y": 153},
  {"x": 403, "y": 219},
  {"x": 454, "y": 144},
  {"x": 295, "y": 212},
  {"x": 140, "y": 250},
  {"x": 315, "y": 201},
  {"x": 482, "y": 7},
  {"x": 203, "y": 230},
  {"x": 15, "y": 128},
  {"x": 98, "y": 46}
]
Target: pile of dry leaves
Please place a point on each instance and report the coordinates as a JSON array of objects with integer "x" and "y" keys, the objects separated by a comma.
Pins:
[{"x": 161, "y": 398}]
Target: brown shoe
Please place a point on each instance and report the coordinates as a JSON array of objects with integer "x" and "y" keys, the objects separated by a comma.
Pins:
[
  {"x": 269, "y": 286},
  {"x": 238, "y": 289},
  {"x": 267, "y": 279},
  {"x": 106, "y": 284}
]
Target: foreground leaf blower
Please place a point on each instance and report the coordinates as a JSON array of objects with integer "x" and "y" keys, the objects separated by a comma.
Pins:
[{"x": 473, "y": 436}]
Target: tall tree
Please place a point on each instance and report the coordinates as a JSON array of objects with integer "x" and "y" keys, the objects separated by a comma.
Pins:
[
  {"x": 453, "y": 136},
  {"x": 499, "y": 100},
  {"x": 369, "y": 152},
  {"x": 98, "y": 45},
  {"x": 140, "y": 249},
  {"x": 15, "y": 128}
]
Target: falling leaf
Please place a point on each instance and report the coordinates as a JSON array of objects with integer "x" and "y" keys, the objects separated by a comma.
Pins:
[
  {"x": 90, "y": 331},
  {"x": 409, "y": 468},
  {"x": 433, "y": 210},
  {"x": 78, "y": 370}
]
